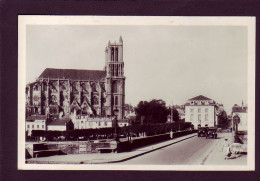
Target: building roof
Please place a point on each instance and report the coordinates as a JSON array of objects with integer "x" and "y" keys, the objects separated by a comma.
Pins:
[
  {"x": 199, "y": 98},
  {"x": 179, "y": 106},
  {"x": 60, "y": 122},
  {"x": 73, "y": 74},
  {"x": 96, "y": 119},
  {"x": 203, "y": 104},
  {"x": 239, "y": 109},
  {"x": 36, "y": 117}
]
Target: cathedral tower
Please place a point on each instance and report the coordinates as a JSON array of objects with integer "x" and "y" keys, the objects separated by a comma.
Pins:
[{"x": 115, "y": 79}]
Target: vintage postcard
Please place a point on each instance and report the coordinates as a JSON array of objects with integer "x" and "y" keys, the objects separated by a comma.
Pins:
[{"x": 136, "y": 93}]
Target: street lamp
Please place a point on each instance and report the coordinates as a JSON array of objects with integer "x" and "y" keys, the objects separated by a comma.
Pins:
[
  {"x": 171, "y": 113},
  {"x": 116, "y": 111}
]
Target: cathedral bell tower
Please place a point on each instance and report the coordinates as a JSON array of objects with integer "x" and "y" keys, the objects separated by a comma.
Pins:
[{"x": 115, "y": 79}]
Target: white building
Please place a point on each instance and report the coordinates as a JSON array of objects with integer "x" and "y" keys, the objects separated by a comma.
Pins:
[
  {"x": 86, "y": 122},
  {"x": 61, "y": 124},
  {"x": 241, "y": 112},
  {"x": 201, "y": 111},
  {"x": 35, "y": 122}
]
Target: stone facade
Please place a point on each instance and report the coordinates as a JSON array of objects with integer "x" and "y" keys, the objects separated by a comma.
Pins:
[{"x": 91, "y": 92}]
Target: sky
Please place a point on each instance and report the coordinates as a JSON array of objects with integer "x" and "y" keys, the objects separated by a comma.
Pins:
[{"x": 172, "y": 63}]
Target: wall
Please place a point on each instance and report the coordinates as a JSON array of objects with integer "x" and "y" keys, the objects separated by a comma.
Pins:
[
  {"x": 195, "y": 121},
  {"x": 41, "y": 123},
  {"x": 57, "y": 128},
  {"x": 88, "y": 123}
]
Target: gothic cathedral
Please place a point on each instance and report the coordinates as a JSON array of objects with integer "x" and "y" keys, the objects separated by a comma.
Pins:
[{"x": 82, "y": 92}]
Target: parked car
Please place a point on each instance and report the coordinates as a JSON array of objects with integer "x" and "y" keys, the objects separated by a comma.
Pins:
[
  {"x": 201, "y": 131},
  {"x": 219, "y": 130},
  {"x": 211, "y": 133}
]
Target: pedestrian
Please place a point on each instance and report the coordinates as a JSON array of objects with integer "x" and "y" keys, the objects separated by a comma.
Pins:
[
  {"x": 226, "y": 149},
  {"x": 171, "y": 134}
]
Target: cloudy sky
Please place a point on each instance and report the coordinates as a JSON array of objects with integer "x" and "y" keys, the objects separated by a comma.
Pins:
[{"x": 173, "y": 63}]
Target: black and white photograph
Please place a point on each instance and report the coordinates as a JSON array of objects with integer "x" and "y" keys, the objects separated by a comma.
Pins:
[{"x": 136, "y": 93}]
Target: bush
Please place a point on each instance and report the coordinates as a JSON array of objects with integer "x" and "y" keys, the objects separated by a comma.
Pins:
[
  {"x": 38, "y": 133},
  {"x": 149, "y": 129},
  {"x": 154, "y": 129}
]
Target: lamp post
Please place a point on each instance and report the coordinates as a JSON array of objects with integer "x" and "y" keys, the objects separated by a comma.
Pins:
[
  {"x": 116, "y": 111},
  {"x": 171, "y": 112}
]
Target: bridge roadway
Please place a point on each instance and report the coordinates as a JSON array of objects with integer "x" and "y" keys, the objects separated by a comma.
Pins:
[{"x": 193, "y": 151}]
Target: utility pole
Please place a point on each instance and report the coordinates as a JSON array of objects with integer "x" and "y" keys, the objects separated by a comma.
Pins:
[{"x": 171, "y": 112}]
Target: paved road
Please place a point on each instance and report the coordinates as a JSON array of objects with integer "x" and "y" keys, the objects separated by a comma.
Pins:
[{"x": 193, "y": 151}]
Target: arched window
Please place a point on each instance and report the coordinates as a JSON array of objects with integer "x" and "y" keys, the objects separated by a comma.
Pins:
[
  {"x": 44, "y": 87},
  {"x": 116, "y": 100},
  {"x": 103, "y": 112},
  {"x": 116, "y": 59},
  {"x": 53, "y": 99},
  {"x": 94, "y": 88},
  {"x": 116, "y": 70},
  {"x": 36, "y": 88},
  {"x": 112, "y": 54},
  {"x": 114, "y": 87},
  {"x": 95, "y": 100}
]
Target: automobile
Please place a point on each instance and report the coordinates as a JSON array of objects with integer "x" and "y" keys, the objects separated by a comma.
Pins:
[
  {"x": 201, "y": 131},
  {"x": 219, "y": 130},
  {"x": 211, "y": 133},
  {"x": 61, "y": 138}
]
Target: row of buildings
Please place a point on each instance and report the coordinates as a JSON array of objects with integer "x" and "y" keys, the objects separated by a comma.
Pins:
[{"x": 45, "y": 123}]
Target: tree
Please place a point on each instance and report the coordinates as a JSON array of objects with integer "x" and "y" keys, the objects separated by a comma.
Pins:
[
  {"x": 154, "y": 111},
  {"x": 223, "y": 120}
]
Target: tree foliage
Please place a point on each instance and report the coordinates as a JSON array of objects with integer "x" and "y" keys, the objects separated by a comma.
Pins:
[
  {"x": 154, "y": 111},
  {"x": 149, "y": 129},
  {"x": 223, "y": 120}
]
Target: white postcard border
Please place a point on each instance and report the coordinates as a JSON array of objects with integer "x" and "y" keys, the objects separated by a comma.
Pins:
[{"x": 24, "y": 20}]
